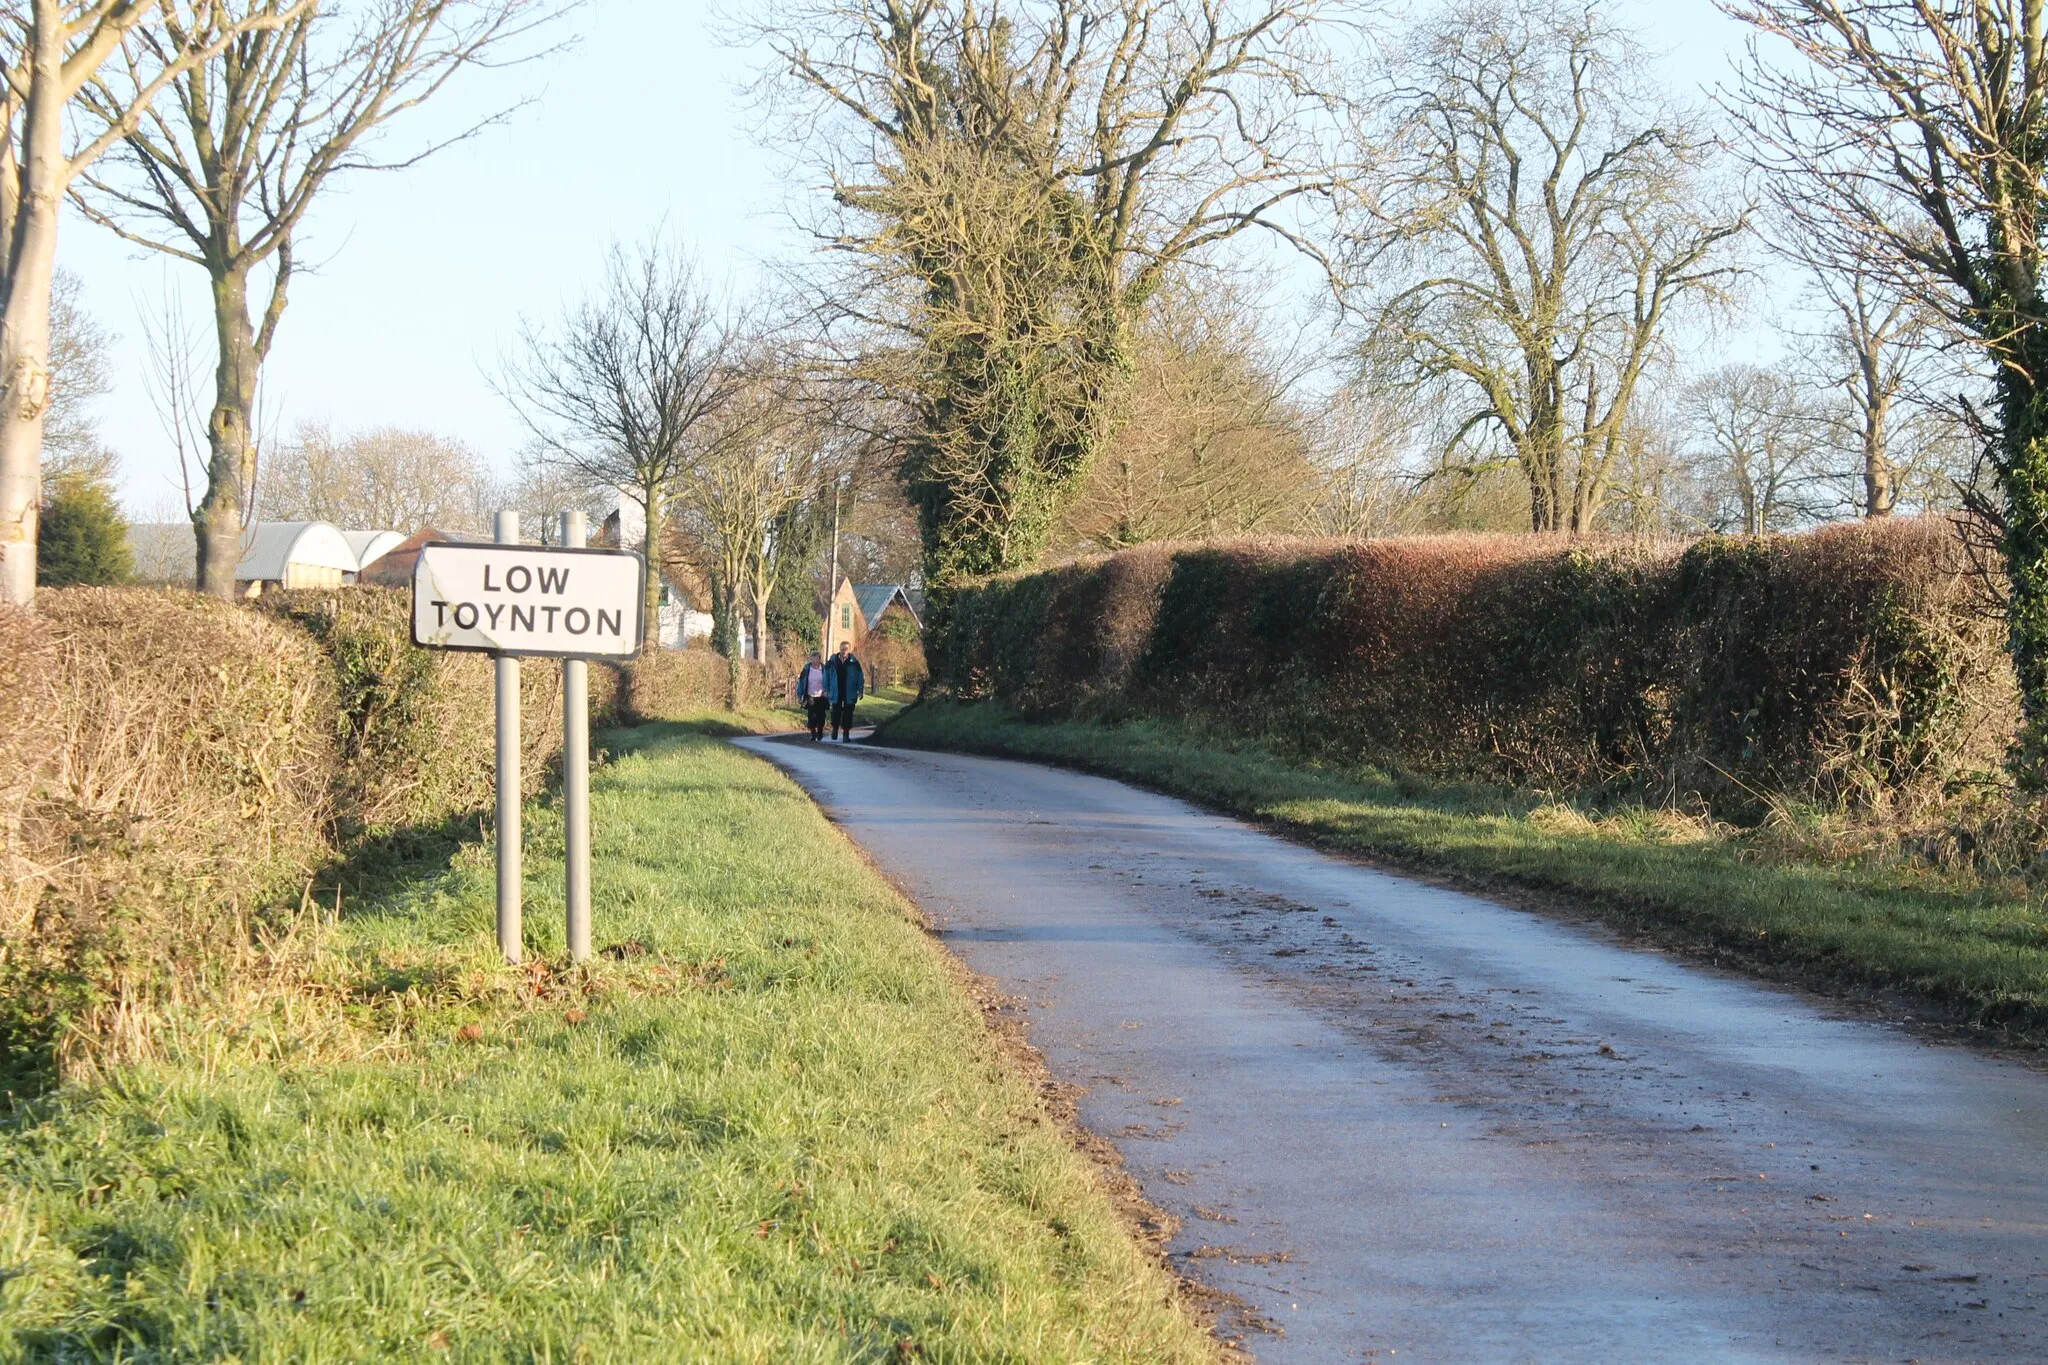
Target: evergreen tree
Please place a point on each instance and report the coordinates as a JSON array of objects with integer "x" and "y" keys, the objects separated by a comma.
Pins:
[{"x": 83, "y": 539}]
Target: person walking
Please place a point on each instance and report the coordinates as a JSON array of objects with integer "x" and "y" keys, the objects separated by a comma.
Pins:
[
  {"x": 811, "y": 694},
  {"x": 845, "y": 685}
]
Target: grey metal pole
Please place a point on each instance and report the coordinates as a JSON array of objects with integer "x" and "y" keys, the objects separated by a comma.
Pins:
[
  {"x": 576, "y": 777},
  {"x": 509, "y": 927}
]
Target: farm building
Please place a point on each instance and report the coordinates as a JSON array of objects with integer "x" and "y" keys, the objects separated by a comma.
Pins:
[
  {"x": 392, "y": 567},
  {"x": 294, "y": 554},
  {"x": 275, "y": 554},
  {"x": 371, "y": 546}
]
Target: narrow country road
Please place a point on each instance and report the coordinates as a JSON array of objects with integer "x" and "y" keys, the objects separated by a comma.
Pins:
[{"x": 1402, "y": 1123}]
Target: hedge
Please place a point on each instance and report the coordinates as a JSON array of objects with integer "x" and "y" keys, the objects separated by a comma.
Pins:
[
  {"x": 1849, "y": 664},
  {"x": 175, "y": 771}
]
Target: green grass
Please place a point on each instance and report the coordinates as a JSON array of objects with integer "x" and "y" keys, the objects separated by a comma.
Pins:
[
  {"x": 883, "y": 705},
  {"x": 773, "y": 1128},
  {"x": 1972, "y": 948}
]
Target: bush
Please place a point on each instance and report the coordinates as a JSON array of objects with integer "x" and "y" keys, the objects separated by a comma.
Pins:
[
  {"x": 184, "y": 786},
  {"x": 27, "y": 712},
  {"x": 81, "y": 537},
  {"x": 1841, "y": 665},
  {"x": 893, "y": 662},
  {"x": 174, "y": 773},
  {"x": 672, "y": 683},
  {"x": 417, "y": 728}
]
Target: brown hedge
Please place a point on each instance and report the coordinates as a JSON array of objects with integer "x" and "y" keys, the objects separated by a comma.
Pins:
[
  {"x": 1844, "y": 664},
  {"x": 175, "y": 770},
  {"x": 416, "y": 728},
  {"x": 181, "y": 776},
  {"x": 673, "y": 683}
]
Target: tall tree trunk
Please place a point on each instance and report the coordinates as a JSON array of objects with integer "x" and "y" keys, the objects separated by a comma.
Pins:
[
  {"x": 1880, "y": 493},
  {"x": 25, "y": 321},
  {"x": 230, "y": 436},
  {"x": 650, "y": 606},
  {"x": 2024, "y": 481}
]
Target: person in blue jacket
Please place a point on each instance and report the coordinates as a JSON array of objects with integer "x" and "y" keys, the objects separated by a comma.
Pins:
[{"x": 845, "y": 685}]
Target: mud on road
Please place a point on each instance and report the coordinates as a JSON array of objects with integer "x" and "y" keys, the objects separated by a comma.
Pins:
[{"x": 1400, "y": 1122}]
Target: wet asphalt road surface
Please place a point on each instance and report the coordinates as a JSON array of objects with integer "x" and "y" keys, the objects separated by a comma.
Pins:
[{"x": 1403, "y": 1123}]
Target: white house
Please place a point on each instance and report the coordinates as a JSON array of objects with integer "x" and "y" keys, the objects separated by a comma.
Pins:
[{"x": 678, "y": 620}]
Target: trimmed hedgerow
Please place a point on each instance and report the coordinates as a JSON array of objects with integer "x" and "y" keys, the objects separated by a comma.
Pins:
[
  {"x": 416, "y": 727},
  {"x": 671, "y": 684},
  {"x": 176, "y": 771},
  {"x": 1847, "y": 664}
]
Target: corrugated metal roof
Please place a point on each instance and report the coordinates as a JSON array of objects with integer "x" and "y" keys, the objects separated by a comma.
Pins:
[
  {"x": 270, "y": 545},
  {"x": 371, "y": 546}
]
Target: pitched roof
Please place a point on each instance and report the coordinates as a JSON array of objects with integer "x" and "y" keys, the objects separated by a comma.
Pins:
[
  {"x": 874, "y": 599},
  {"x": 394, "y": 565}
]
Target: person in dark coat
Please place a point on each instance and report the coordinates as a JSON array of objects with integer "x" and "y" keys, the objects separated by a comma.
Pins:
[
  {"x": 845, "y": 685},
  {"x": 811, "y": 694}
]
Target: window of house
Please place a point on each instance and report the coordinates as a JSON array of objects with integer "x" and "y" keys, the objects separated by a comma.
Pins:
[{"x": 846, "y": 618}]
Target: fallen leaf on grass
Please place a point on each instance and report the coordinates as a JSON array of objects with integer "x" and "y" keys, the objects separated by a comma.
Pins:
[
  {"x": 575, "y": 1016},
  {"x": 470, "y": 1033}
]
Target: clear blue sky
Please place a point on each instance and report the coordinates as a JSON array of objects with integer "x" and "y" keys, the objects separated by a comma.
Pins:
[{"x": 424, "y": 274}]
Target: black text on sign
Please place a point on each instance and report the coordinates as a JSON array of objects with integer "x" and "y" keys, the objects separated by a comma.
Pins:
[{"x": 529, "y": 600}]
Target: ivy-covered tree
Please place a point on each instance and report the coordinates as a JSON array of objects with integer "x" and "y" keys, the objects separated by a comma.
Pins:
[
  {"x": 81, "y": 537},
  {"x": 1010, "y": 184}
]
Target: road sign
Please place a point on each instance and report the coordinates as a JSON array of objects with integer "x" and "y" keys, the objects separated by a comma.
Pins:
[
  {"x": 529, "y": 600},
  {"x": 514, "y": 600}
]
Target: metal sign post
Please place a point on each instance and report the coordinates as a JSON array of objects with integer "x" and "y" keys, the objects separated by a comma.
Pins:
[
  {"x": 509, "y": 925},
  {"x": 516, "y": 601},
  {"x": 576, "y": 778}
]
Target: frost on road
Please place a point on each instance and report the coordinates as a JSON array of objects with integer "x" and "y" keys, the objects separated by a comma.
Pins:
[{"x": 1396, "y": 1118}]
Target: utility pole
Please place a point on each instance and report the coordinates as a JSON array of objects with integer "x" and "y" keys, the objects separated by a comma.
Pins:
[{"x": 832, "y": 583}]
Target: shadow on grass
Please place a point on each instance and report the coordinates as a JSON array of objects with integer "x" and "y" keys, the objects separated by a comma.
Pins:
[{"x": 380, "y": 867}]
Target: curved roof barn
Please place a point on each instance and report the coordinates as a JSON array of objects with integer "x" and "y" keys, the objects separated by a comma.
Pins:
[
  {"x": 282, "y": 552},
  {"x": 371, "y": 546}
]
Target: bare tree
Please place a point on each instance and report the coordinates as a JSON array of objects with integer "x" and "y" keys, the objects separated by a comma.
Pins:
[
  {"x": 542, "y": 490},
  {"x": 1537, "y": 217},
  {"x": 627, "y": 389},
  {"x": 1210, "y": 443},
  {"x": 1757, "y": 439},
  {"x": 1657, "y": 486},
  {"x": 1010, "y": 184},
  {"x": 224, "y": 172},
  {"x": 52, "y": 51},
  {"x": 773, "y": 450},
  {"x": 373, "y": 479},
  {"x": 79, "y": 376},
  {"x": 1913, "y": 138},
  {"x": 1881, "y": 350},
  {"x": 1363, "y": 440}
]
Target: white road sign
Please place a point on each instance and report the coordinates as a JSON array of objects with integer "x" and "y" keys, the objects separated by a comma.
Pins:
[{"x": 528, "y": 600}]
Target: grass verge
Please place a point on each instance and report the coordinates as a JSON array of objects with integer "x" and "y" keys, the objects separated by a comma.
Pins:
[
  {"x": 1973, "y": 948},
  {"x": 768, "y": 1125}
]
